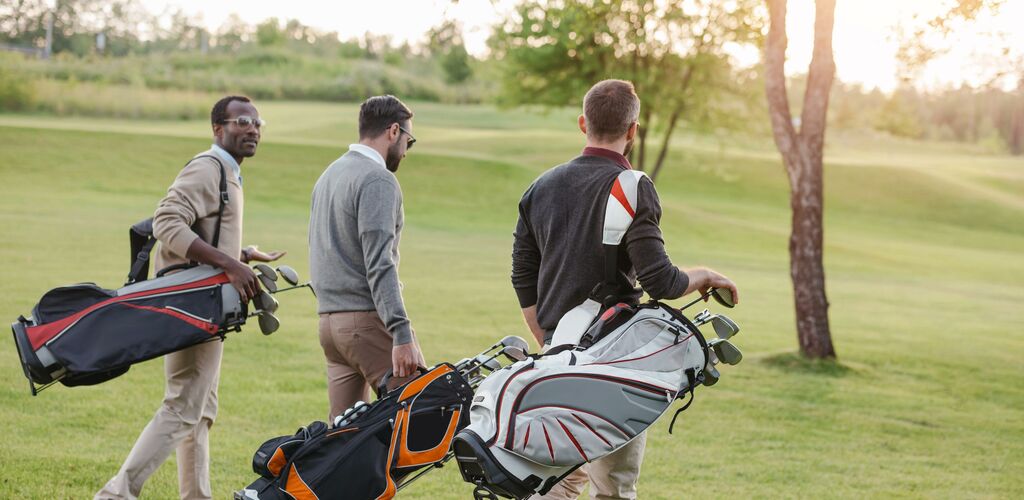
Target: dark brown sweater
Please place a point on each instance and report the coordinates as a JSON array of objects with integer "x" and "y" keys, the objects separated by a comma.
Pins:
[{"x": 557, "y": 256}]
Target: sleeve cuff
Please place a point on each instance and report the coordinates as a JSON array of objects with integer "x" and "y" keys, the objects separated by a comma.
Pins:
[
  {"x": 527, "y": 297},
  {"x": 402, "y": 334}
]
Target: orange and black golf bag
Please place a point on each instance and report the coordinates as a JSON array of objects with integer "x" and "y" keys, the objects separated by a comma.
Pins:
[{"x": 372, "y": 450}]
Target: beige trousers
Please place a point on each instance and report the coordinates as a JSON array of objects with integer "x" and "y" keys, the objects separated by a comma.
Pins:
[
  {"x": 358, "y": 351},
  {"x": 613, "y": 476},
  {"x": 183, "y": 422}
]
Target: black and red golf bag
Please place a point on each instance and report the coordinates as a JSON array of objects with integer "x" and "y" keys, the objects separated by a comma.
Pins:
[
  {"x": 83, "y": 334},
  {"x": 377, "y": 448}
]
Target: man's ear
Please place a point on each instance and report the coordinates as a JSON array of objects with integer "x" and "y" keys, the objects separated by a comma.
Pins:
[
  {"x": 583, "y": 124},
  {"x": 631, "y": 132},
  {"x": 218, "y": 130}
]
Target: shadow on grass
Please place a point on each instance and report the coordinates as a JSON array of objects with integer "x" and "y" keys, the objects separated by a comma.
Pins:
[{"x": 793, "y": 362}]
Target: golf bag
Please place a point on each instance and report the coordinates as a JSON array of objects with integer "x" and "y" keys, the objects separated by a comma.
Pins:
[
  {"x": 373, "y": 450},
  {"x": 534, "y": 422},
  {"x": 83, "y": 334}
]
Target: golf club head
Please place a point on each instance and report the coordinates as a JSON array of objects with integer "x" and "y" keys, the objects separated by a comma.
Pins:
[
  {"x": 514, "y": 341},
  {"x": 269, "y": 285},
  {"x": 488, "y": 362},
  {"x": 268, "y": 323},
  {"x": 724, "y": 327},
  {"x": 289, "y": 275},
  {"x": 265, "y": 302},
  {"x": 702, "y": 317},
  {"x": 514, "y": 353},
  {"x": 726, "y": 351},
  {"x": 724, "y": 296},
  {"x": 711, "y": 376},
  {"x": 266, "y": 271}
]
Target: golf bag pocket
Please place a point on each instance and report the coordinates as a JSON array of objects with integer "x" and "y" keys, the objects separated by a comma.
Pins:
[
  {"x": 564, "y": 437},
  {"x": 272, "y": 456}
]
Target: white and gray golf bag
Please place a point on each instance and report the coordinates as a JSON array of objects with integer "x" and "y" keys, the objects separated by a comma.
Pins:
[{"x": 535, "y": 421}]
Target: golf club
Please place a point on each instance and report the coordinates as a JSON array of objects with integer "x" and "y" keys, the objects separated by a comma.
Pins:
[
  {"x": 726, "y": 351},
  {"x": 289, "y": 275},
  {"x": 702, "y": 317},
  {"x": 721, "y": 295},
  {"x": 267, "y": 277},
  {"x": 265, "y": 302},
  {"x": 304, "y": 285},
  {"x": 515, "y": 341},
  {"x": 268, "y": 323},
  {"x": 724, "y": 327}
]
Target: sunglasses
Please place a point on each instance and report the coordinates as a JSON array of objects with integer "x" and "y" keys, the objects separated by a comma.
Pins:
[
  {"x": 245, "y": 121},
  {"x": 412, "y": 140}
]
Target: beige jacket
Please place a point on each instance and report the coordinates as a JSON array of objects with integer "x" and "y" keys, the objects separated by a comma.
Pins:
[{"x": 195, "y": 196}]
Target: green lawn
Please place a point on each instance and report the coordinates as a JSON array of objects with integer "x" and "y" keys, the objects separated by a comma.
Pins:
[{"x": 924, "y": 258}]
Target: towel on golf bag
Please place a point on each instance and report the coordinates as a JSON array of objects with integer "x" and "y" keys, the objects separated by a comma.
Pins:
[
  {"x": 405, "y": 430},
  {"x": 537, "y": 420},
  {"x": 83, "y": 334}
]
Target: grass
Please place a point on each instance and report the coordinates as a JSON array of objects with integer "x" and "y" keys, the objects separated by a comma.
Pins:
[{"x": 923, "y": 258}]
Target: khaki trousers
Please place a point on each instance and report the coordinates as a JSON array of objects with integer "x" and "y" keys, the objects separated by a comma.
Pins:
[
  {"x": 182, "y": 422},
  {"x": 612, "y": 476},
  {"x": 358, "y": 351}
]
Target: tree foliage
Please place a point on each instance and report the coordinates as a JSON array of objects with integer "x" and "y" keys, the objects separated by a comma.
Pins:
[{"x": 676, "y": 54}]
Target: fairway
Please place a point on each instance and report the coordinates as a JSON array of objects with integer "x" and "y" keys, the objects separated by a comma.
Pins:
[{"x": 924, "y": 256}]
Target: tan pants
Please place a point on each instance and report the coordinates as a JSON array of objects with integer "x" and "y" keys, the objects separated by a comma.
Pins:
[
  {"x": 183, "y": 422},
  {"x": 358, "y": 351},
  {"x": 613, "y": 476}
]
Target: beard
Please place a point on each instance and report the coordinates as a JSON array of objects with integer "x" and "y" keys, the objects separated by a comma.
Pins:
[
  {"x": 629, "y": 147},
  {"x": 393, "y": 158}
]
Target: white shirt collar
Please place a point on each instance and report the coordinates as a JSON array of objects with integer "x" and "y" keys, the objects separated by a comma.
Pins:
[{"x": 368, "y": 152}]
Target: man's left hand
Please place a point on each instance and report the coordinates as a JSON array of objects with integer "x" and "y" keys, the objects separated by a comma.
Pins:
[{"x": 257, "y": 255}]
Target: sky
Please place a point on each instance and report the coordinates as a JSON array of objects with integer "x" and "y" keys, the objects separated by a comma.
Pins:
[{"x": 863, "y": 41}]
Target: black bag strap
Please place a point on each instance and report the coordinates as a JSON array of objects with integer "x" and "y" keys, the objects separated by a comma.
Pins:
[
  {"x": 607, "y": 291},
  {"x": 142, "y": 241}
]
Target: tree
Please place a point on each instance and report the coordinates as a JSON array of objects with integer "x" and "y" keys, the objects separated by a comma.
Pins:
[
  {"x": 802, "y": 154},
  {"x": 445, "y": 43},
  {"x": 675, "y": 55}
]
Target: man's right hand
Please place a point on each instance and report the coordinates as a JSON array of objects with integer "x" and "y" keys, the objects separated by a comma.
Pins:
[
  {"x": 405, "y": 359},
  {"x": 243, "y": 279},
  {"x": 703, "y": 279}
]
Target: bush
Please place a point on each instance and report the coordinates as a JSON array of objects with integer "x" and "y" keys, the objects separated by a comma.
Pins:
[{"x": 15, "y": 86}]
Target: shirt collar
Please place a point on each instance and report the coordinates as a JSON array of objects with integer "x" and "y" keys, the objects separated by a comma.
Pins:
[
  {"x": 368, "y": 152},
  {"x": 607, "y": 153},
  {"x": 230, "y": 160}
]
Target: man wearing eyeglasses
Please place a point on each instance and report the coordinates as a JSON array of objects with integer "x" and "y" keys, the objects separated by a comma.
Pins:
[
  {"x": 185, "y": 223},
  {"x": 355, "y": 225}
]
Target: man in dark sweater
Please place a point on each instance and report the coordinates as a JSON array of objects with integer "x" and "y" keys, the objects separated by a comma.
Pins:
[{"x": 558, "y": 258}]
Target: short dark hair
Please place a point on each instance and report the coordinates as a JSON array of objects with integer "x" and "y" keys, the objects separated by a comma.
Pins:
[
  {"x": 610, "y": 108},
  {"x": 219, "y": 113},
  {"x": 378, "y": 113}
]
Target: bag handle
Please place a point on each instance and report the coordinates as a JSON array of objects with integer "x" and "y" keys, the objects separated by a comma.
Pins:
[{"x": 382, "y": 388}]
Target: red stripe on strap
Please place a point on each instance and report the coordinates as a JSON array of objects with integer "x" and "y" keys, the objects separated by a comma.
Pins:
[{"x": 620, "y": 195}]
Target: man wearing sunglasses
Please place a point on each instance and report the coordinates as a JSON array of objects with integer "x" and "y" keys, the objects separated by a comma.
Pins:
[
  {"x": 185, "y": 223},
  {"x": 355, "y": 225}
]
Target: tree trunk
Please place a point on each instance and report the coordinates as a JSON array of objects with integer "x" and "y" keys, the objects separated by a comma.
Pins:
[
  {"x": 802, "y": 154},
  {"x": 641, "y": 146},
  {"x": 664, "y": 143}
]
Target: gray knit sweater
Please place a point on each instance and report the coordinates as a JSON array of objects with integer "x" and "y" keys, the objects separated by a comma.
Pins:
[{"x": 355, "y": 225}]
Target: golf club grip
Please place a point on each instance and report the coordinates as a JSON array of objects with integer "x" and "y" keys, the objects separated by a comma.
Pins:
[{"x": 382, "y": 388}]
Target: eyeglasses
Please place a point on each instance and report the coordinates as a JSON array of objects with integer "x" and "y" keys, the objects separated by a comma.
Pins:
[
  {"x": 245, "y": 121},
  {"x": 412, "y": 140}
]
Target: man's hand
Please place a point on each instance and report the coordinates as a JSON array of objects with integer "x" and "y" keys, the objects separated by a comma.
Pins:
[
  {"x": 405, "y": 358},
  {"x": 254, "y": 254},
  {"x": 703, "y": 279},
  {"x": 242, "y": 278}
]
